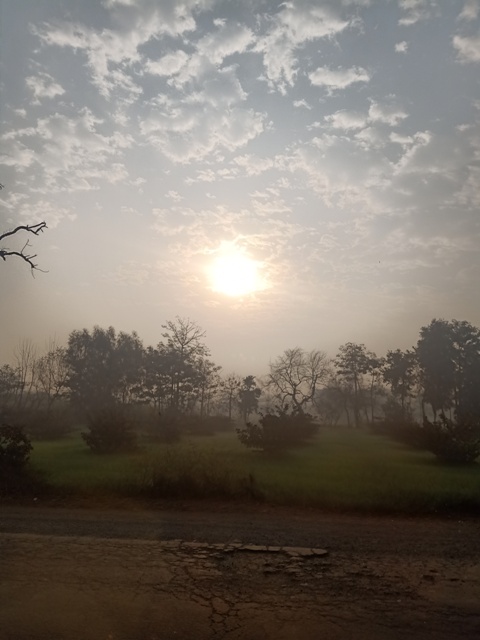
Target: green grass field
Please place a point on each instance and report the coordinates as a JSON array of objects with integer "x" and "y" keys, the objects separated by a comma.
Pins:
[{"x": 341, "y": 470}]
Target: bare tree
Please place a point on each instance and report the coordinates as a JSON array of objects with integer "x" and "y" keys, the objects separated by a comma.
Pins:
[
  {"x": 23, "y": 253},
  {"x": 52, "y": 373},
  {"x": 296, "y": 375}
]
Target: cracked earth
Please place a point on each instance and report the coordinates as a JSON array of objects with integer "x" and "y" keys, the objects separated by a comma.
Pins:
[{"x": 58, "y": 587}]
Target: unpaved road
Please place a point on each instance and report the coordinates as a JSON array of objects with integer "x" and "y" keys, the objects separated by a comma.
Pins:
[{"x": 161, "y": 575}]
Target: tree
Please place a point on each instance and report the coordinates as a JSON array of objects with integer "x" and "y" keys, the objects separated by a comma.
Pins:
[
  {"x": 248, "y": 396},
  {"x": 230, "y": 387},
  {"x": 448, "y": 355},
  {"x": 52, "y": 374},
  {"x": 35, "y": 229},
  {"x": 353, "y": 362},
  {"x": 296, "y": 375},
  {"x": 180, "y": 358},
  {"x": 400, "y": 373},
  {"x": 104, "y": 368}
]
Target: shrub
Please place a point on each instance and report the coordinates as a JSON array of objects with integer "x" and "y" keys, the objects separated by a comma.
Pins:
[
  {"x": 16, "y": 476},
  {"x": 456, "y": 442},
  {"x": 278, "y": 431},
  {"x": 110, "y": 431}
]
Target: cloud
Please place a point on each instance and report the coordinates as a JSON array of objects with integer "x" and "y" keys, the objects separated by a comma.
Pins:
[
  {"x": 339, "y": 78},
  {"x": 294, "y": 25},
  {"x": 346, "y": 120},
  {"x": 168, "y": 65},
  {"x": 470, "y": 11},
  {"x": 44, "y": 86},
  {"x": 468, "y": 48},
  {"x": 401, "y": 47},
  {"x": 416, "y": 10},
  {"x": 388, "y": 113}
]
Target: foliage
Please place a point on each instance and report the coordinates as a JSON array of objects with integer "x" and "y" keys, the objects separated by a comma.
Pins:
[
  {"x": 278, "y": 431},
  {"x": 248, "y": 396},
  {"x": 456, "y": 442},
  {"x": 296, "y": 375},
  {"x": 16, "y": 476},
  {"x": 400, "y": 374},
  {"x": 15, "y": 447},
  {"x": 354, "y": 363},
  {"x": 104, "y": 368},
  {"x": 449, "y": 359},
  {"x": 398, "y": 423},
  {"x": 110, "y": 431}
]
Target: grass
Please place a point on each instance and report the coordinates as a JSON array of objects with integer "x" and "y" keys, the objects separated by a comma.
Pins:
[{"x": 341, "y": 470}]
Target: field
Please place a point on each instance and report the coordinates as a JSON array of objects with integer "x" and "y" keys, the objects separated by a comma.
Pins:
[{"x": 344, "y": 470}]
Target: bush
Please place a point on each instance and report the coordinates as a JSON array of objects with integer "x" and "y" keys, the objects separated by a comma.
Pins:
[
  {"x": 278, "y": 431},
  {"x": 110, "y": 431},
  {"x": 453, "y": 442},
  {"x": 16, "y": 477}
]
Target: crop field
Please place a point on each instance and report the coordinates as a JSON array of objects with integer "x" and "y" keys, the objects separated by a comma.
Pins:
[{"x": 341, "y": 470}]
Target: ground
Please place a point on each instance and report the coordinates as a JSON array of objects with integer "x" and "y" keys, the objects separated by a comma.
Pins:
[{"x": 254, "y": 573}]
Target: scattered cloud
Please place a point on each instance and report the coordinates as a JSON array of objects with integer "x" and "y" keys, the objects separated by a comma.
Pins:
[
  {"x": 338, "y": 78},
  {"x": 468, "y": 48}
]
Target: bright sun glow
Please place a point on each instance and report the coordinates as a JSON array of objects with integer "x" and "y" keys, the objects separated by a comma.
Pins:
[{"x": 235, "y": 274}]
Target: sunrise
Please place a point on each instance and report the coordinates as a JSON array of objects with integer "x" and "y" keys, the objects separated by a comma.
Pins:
[{"x": 240, "y": 319}]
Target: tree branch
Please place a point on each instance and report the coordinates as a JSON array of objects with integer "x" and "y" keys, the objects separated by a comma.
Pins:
[{"x": 28, "y": 258}]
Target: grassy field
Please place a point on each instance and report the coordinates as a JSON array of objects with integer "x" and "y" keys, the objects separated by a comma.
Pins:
[{"x": 341, "y": 470}]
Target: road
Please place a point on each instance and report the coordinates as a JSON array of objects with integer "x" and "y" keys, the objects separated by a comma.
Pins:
[{"x": 225, "y": 572}]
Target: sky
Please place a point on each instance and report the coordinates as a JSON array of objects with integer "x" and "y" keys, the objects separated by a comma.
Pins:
[{"x": 301, "y": 173}]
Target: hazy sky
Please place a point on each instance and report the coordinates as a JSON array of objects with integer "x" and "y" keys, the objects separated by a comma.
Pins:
[{"x": 335, "y": 143}]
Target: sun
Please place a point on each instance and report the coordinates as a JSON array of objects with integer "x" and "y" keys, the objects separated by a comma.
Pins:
[{"x": 234, "y": 274}]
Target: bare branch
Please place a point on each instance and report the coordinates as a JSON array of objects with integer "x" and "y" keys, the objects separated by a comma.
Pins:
[{"x": 28, "y": 258}]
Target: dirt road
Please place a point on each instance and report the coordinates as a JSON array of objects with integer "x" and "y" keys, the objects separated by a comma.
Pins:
[{"x": 68, "y": 574}]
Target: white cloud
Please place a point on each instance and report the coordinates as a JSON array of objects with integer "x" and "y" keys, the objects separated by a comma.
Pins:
[
  {"x": 168, "y": 65},
  {"x": 416, "y": 10},
  {"x": 470, "y": 11},
  {"x": 345, "y": 119},
  {"x": 339, "y": 78},
  {"x": 388, "y": 113},
  {"x": 468, "y": 48},
  {"x": 44, "y": 86},
  {"x": 293, "y": 26},
  {"x": 302, "y": 104},
  {"x": 401, "y": 47}
]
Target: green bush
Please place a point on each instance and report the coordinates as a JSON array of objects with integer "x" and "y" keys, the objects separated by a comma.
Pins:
[
  {"x": 455, "y": 442},
  {"x": 110, "y": 431},
  {"x": 278, "y": 431}
]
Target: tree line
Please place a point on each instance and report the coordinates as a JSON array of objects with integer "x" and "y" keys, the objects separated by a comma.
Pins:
[{"x": 102, "y": 368}]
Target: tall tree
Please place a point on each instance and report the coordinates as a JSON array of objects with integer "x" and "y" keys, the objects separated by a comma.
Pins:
[
  {"x": 180, "y": 355},
  {"x": 22, "y": 253},
  {"x": 103, "y": 367},
  {"x": 52, "y": 373},
  {"x": 296, "y": 375},
  {"x": 353, "y": 362},
  {"x": 448, "y": 355},
  {"x": 400, "y": 373},
  {"x": 248, "y": 396},
  {"x": 230, "y": 386}
]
